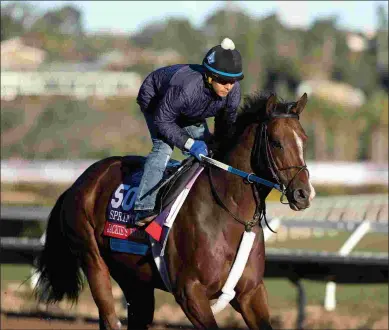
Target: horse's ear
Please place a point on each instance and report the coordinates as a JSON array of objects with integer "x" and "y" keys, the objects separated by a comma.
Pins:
[
  {"x": 300, "y": 105},
  {"x": 270, "y": 105}
]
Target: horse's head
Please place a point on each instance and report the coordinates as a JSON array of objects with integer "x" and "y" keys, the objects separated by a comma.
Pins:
[{"x": 282, "y": 142}]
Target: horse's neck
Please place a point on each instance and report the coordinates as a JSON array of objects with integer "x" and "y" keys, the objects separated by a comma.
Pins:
[
  {"x": 240, "y": 193},
  {"x": 240, "y": 157},
  {"x": 240, "y": 154}
]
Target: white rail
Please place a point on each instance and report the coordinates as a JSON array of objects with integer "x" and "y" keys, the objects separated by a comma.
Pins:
[
  {"x": 352, "y": 241},
  {"x": 346, "y": 173},
  {"x": 77, "y": 84}
]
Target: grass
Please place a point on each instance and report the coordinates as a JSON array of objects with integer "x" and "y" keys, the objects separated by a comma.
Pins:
[
  {"x": 373, "y": 242},
  {"x": 282, "y": 294},
  {"x": 14, "y": 273}
]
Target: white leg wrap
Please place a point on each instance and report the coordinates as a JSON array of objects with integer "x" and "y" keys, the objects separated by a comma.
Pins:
[{"x": 236, "y": 272}]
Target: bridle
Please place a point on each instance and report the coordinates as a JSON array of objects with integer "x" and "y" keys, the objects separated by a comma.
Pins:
[
  {"x": 260, "y": 150},
  {"x": 257, "y": 152}
]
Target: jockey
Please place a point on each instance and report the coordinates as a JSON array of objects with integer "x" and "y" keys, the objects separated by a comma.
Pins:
[{"x": 175, "y": 101}]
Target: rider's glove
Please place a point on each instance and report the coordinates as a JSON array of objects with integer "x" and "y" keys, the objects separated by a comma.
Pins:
[{"x": 198, "y": 148}]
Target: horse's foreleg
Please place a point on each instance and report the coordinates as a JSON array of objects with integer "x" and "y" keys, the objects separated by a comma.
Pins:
[
  {"x": 254, "y": 308},
  {"x": 99, "y": 281},
  {"x": 140, "y": 304},
  {"x": 191, "y": 296}
]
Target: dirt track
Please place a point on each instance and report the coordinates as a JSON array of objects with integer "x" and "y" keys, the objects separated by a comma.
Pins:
[
  {"x": 318, "y": 321},
  {"x": 16, "y": 323},
  {"x": 8, "y": 323}
]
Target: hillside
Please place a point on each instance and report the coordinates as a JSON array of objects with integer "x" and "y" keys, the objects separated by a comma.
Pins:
[{"x": 50, "y": 127}]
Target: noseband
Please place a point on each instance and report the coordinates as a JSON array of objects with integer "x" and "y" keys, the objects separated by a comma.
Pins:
[{"x": 261, "y": 144}]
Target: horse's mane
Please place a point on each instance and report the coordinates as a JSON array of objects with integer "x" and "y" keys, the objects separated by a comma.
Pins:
[
  {"x": 252, "y": 110},
  {"x": 254, "y": 107}
]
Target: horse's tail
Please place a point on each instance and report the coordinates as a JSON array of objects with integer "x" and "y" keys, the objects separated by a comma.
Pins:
[{"x": 58, "y": 267}]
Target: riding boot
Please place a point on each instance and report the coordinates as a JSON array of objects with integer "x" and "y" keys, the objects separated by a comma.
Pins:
[{"x": 143, "y": 218}]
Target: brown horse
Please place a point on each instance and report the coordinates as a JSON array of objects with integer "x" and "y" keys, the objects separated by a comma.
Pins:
[{"x": 203, "y": 243}]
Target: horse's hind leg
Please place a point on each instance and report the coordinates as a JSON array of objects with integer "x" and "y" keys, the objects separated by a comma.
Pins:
[
  {"x": 254, "y": 308},
  {"x": 99, "y": 281},
  {"x": 191, "y": 296}
]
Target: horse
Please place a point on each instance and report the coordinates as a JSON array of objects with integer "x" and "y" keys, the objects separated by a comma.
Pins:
[{"x": 268, "y": 141}]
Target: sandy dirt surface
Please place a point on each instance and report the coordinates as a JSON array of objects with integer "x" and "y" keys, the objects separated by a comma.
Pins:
[
  {"x": 17, "y": 304},
  {"x": 317, "y": 321},
  {"x": 8, "y": 323}
]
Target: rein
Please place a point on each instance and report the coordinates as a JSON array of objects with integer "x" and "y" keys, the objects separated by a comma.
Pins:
[
  {"x": 251, "y": 178},
  {"x": 260, "y": 208}
]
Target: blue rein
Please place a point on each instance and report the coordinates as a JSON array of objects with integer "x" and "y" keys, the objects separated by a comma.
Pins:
[{"x": 250, "y": 177}]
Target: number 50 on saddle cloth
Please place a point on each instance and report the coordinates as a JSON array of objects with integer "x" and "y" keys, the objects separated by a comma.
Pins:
[{"x": 119, "y": 227}]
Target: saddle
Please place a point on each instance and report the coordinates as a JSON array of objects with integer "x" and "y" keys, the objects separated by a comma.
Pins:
[
  {"x": 176, "y": 176},
  {"x": 120, "y": 227}
]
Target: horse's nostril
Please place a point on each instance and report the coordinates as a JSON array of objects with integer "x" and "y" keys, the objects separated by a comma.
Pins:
[{"x": 300, "y": 194}]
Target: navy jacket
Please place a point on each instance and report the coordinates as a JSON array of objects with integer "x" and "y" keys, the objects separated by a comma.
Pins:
[{"x": 178, "y": 96}]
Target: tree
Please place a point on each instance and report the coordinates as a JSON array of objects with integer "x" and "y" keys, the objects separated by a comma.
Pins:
[
  {"x": 144, "y": 38},
  {"x": 59, "y": 131},
  {"x": 16, "y": 18},
  {"x": 177, "y": 31},
  {"x": 66, "y": 20},
  {"x": 226, "y": 22},
  {"x": 177, "y": 34},
  {"x": 382, "y": 45}
]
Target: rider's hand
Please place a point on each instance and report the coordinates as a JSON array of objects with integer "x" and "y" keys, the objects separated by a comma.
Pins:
[{"x": 198, "y": 148}]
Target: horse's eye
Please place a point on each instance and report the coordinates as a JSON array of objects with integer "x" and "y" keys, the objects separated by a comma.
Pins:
[{"x": 276, "y": 144}]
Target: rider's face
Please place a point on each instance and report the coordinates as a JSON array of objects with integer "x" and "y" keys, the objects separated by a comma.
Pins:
[{"x": 222, "y": 88}]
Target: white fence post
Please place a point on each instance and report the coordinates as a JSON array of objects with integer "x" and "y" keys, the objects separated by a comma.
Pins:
[{"x": 352, "y": 241}]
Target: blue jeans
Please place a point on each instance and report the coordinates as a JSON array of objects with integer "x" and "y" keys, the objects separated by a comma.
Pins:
[{"x": 157, "y": 160}]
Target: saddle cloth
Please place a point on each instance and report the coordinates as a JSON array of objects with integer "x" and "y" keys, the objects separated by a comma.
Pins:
[{"x": 123, "y": 235}]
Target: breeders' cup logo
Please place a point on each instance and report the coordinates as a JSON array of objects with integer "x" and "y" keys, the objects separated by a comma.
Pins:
[{"x": 211, "y": 58}]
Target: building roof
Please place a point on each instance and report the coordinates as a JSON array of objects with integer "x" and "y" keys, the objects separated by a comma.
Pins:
[{"x": 15, "y": 54}]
